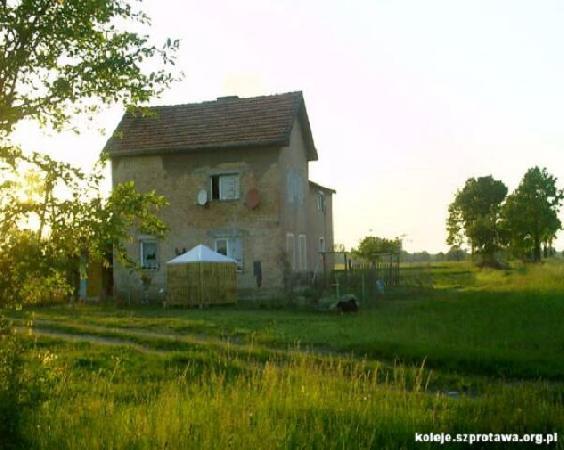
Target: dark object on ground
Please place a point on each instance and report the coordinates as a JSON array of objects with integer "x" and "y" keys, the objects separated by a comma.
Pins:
[{"x": 347, "y": 303}]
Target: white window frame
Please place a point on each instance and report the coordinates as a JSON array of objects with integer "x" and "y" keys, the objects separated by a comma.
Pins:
[
  {"x": 221, "y": 193},
  {"x": 142, "y": 242},
  {"x": 321, "y": 201},
  {"x": 302, "y": 252},
  {"x": 321, "y": 244},
  {"x": 229, "y": 248},
  {"x": 291, "y": 249},
  {"x": 295, "y": 187}
]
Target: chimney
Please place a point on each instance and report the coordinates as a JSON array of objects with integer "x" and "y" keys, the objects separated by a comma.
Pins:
[{"x": 227, "y": 98}]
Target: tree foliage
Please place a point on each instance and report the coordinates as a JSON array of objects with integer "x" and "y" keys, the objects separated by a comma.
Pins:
[
  {"x": 59, "y": 58},
  {"x": 474, "y": 216},
  {"x": 530, "y": 214},
  {"x": 371, "y": 248},
  {"x": 63, "y": 217}
]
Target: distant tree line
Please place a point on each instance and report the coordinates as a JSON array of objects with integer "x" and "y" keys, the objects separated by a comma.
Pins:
[
  {"x": 373, "y": 248},
  {"x": 524, "y": 224},
  {"x": 455, "y": 253}
]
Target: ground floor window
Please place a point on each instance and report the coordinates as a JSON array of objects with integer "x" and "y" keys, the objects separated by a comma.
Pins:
[
  {"x": 232, "y": 248},
  {"x": 291, "y": 250},
  {"x": 148, "y": 254},
  {"x": 302, "y": 252},
  {"x": 322, "y": 245}
]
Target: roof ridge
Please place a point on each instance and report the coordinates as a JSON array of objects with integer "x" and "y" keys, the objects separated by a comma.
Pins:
[{"x": 218, "y": 100}]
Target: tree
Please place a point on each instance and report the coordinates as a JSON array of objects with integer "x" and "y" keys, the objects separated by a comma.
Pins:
[
  {"x": 530, "y": 214},
  {"x": 372, "y": 247},
  {"x": 339, "y": 248},
  {"x": 59, "y": 58},
  {"x": 474, "y": 216},
  {"x": 47, "y": 231},
  {"x": 455, "y": 253}
]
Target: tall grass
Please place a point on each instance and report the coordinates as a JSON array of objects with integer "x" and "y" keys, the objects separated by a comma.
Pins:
[
  {"x": 480, "y": 331},
  {"x": 545, "y": 278},
  {"x": 301, "y": 402}
]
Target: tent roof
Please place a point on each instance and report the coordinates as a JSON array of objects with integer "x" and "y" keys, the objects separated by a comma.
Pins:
[{"x": 201, "y": 253}]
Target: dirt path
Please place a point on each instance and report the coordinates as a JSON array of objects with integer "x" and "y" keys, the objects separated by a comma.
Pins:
[
  {"x": 123, "y": 333},
  {"x": 96, "y": 334},
  {"x": 88, "y": 338}
]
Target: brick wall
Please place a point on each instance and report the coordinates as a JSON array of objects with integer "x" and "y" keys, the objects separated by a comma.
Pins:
[
  {"x": 179, "y": 178},
  {"x": 280, "y": 175}
]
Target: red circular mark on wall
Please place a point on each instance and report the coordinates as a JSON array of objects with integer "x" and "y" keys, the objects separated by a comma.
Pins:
[{"x": 253, "y": 199}]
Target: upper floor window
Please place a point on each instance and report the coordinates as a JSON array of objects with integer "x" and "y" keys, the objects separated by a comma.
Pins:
[
  {"x": 321, "y": 201},
  {"x": 295, "y": 187},
  {"x": 148, "y": 254},
  {"x": 225, "y": 186}
]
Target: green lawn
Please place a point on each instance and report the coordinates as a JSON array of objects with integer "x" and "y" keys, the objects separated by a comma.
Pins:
[
  {"x": 251, "y": 377},
  {"x": 482, "y": 322}
]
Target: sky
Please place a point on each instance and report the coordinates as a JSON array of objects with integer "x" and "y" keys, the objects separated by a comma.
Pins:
[{"x": 406, "y": 99}]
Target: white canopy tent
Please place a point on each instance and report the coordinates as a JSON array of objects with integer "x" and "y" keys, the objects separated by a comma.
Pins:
[
  {"x": 201, "y": 277},
  {"x": 201, "y": 253}
]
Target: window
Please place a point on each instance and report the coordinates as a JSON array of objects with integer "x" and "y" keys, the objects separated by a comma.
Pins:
[
  {"x": 221, "y": 246},
  {"x": 295, "y": 187},
  {"x": 322, "y": 245},
  {"x": 225, "y": 187},
  {"x": 302, "y": 252},
  {"x": 321, "y": 201},
  {"x": 291, "y": 250},
  {"x": 148, "y": 254},
  {"x": 232, "y": 248}
]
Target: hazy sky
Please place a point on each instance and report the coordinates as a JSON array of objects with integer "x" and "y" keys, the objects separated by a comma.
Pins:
[{"x": 407, "y": 99}]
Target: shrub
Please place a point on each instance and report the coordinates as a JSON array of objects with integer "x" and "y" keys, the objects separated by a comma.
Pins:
[
  {"x": 11, "y": 387},
  {"x": 21, "y": 386}
]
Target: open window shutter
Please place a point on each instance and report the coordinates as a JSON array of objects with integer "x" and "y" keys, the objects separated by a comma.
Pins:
[{"x": 229, "y": 187}]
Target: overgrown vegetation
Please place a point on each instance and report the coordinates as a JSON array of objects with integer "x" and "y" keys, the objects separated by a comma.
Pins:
[
  {"x": 61, "y": 61},
  {"x": 480, "y": 350},
  {"x": 230, "y": 400}
]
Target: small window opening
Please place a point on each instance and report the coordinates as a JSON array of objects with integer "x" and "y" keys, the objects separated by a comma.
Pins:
[{"x": 215, "y": 187}]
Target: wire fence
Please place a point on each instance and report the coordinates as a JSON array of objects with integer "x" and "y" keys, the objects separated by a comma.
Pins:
[{"x": 368, "y": 281}]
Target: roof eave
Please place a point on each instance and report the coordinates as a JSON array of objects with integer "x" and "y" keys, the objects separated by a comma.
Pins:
[
  {"x": 323, "y": 188},
  {"x": 195, "y": 148}
]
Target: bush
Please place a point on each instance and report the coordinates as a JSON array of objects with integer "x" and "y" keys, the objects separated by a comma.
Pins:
[
  {"x": 11, "y": 387},
  {"x": 29, "y": 275},
  {"x": 21, "y": 387}
]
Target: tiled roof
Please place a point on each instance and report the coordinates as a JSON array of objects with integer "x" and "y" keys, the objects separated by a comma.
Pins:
[{"x": 225, "y": 122}]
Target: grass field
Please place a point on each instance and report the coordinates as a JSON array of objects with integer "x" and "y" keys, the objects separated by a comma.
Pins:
[{"x": 480, "y": 351}]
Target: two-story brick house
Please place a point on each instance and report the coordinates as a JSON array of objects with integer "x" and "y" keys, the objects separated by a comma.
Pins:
[{"x": 235, "y": 172}]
